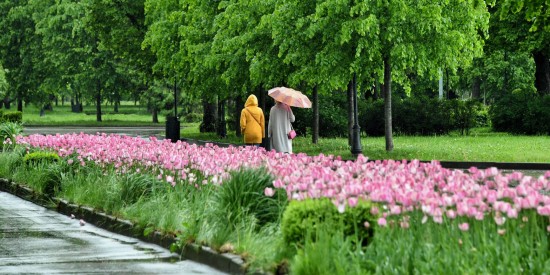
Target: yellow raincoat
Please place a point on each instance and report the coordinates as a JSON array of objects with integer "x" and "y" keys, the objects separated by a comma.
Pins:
[{"x": 252, "y": 121}]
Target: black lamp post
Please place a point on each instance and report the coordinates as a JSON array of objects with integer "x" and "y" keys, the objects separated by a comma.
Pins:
[
  {"x": 175, "y": 99},
  {"x": 172, "y": 122},
  {"x": 356, "y": 136}
]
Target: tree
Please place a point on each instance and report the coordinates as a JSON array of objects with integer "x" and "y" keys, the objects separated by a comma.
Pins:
[
  {"x": 240, "y": 43},
  {"x": 304, "y": 33},
  {"x": 415, "y": 35},
  {"x": 62, "y": 44},
  {"x": 19, "y": 49},
  {"x": 120, "y": 26},
  {"x": 533, "y": 29}
]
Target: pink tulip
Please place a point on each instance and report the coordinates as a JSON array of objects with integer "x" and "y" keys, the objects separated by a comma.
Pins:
[
  {"x": 512, "y": 213},
  {"x": 382, "y": 222},
  {"x": 269, "y": 192},
  {"x": 544, "y": 210},
  {"x": 366, "y": 224},
  {"x": 499, "y": 220},
  {"x": 464, "y": 226}
]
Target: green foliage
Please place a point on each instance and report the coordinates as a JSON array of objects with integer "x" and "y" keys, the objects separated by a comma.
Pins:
[
  {"x": 3, "y": 83},
  {"x": 423, "y": 116},
  {"x": 303, "y": 219},
  {"x": 522, "y": 113},
  {"x": 40, "y": 157},
  {"x": 464, "y": 115},
  {"x": 195, "y": 117},
  {"x": 10, "y": 161},
  {"x": 333, "y": 120},
  {"x": 11, "y": 117},
  {"x": 8, "y": 133},
  {"x": 134, "y": 186},
  {"x": 42, "y": 174},
  {"x": 243, "y": 195},
  {"x": 343, "y": 260}
]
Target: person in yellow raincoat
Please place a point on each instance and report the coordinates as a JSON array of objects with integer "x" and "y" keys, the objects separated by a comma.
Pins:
[{"x": 252, "y": 122}]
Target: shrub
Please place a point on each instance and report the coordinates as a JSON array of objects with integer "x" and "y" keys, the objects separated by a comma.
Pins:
[
  {"x": 16, "y": 117},
  {"x": 333, "y": 120},
  {"x": 420, "y": 116},
  {"x": 302, "y": 219},
  {"x": 521, "y": 113},
  {"x": 192, "y": 117},
  {"x": 464, "y": 114},
  {"x": 45, "y": 170},
  {"x": 40, "y": 156},
  {"x": 371, "y": 117},
  {"x": 482, "y": 117}
]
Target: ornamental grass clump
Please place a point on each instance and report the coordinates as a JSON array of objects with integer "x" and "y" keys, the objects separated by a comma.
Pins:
[
  {"x": 8, "y": 134},
  {"x": 243, "y": 195}
]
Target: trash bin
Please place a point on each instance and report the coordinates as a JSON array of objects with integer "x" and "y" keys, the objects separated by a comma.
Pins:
[
  {"x": 266, "y": 143},
  {"x": 173, "y": 128}
]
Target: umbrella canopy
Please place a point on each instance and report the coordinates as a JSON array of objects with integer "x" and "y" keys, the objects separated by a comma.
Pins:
[{"x": 290, "y": 97}]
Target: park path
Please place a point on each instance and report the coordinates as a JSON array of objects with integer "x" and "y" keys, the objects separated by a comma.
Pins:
[
  {"x": 131, "y": 131},
  {"x": 36, "y": 240}
]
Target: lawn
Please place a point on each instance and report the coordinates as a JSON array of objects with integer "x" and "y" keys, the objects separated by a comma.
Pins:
[
  {"x": 480, "y": 145},
  {"x": 128, "y": 115}
]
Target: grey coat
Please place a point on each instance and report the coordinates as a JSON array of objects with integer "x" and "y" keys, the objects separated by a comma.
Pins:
[{"x": 278, "y": 127}]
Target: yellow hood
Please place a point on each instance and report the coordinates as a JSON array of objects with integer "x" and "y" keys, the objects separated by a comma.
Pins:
[{"x": 251, "y": 101}]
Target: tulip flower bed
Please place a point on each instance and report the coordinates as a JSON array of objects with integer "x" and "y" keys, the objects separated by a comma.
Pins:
[{"x": 429, "y": 219}]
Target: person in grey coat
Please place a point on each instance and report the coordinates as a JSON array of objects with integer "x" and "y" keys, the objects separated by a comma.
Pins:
[{"x": 280, "y": 117}]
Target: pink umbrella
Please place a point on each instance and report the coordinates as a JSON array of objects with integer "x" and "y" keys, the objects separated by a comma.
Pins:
[{"x": 290, "y": 97}]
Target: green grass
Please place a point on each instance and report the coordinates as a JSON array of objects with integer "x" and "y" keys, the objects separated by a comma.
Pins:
[
  {"x": 480, "y": 145},
  {"x": 129, "y": 115}
]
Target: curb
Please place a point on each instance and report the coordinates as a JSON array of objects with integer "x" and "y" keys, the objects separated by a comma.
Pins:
[{"x": 225, "y": 262}]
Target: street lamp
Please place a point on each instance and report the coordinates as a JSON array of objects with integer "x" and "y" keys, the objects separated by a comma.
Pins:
[
  {"x": 356, "y": 133},
  {"x": 172, "y": 122}
]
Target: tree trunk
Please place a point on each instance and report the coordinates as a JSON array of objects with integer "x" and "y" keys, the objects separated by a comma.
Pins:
[
  {"x": 315, "y": 127},
  {"x": 239, "y": 105},
  {"x": 155, "y": 115},
  {"x": 350, "y": 112},
  {"x": 117, "y": 103},
  {"x": 7, "y": 102},
  {"x": 542, "y": 73},
  {"x": 98, "y": 101},
  {"x": 376, "y": 91},
  {"x": 476, "y": 88},
  {"x": 221, "y": 128},
  {"x": 262, "y": 97},
  {"x": 19, "y": 102},
  {"x": 505, "y": 75},
  {"x": 387, "y": 104},
  {"x": 209, "y": 117}
]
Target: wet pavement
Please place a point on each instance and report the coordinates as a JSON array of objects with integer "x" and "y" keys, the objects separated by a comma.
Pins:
[{"x": 36, "y": 240}]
